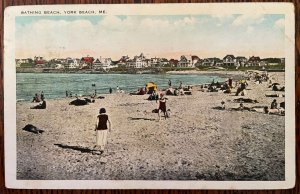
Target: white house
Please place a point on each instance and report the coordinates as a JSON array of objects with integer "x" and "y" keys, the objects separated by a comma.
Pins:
[
  {"x": 211, "y": 62},
  {"x": 138, "y": 62},
  {"x": 241, "y": 61},
  {"x": 229, "y": 60},
  {"x": 71, "y": 63},
  {"x": 253, "y": 61},
  {"x": 97, "y": 64},
  {"x": 102, "y": 63},
  {"x": 185, "y": 61}
]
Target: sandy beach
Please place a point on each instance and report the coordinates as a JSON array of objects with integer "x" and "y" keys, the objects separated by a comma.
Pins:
[{"x": 197, "y": 142}]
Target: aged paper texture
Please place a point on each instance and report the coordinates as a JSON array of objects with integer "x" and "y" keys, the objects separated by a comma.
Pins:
[{"x": 160, "y": 96}]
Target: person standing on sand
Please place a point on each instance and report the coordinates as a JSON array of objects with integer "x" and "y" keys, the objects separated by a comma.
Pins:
[
  {"x": 42, "y": 96},
  {"x": 180, "y": 85},
  {"x": 230, "y": 82},
  {"x": 162, "y": 106},
  {"x": 101, "y": 129},
  {"x": 110, "y": 90},
  {"x": 170, "y": 83}
]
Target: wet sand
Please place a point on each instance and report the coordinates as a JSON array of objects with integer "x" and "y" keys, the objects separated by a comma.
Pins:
[{"x": 197, "y": 142}]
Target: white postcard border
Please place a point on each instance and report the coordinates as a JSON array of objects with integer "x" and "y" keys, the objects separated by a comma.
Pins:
[{"x": 149, "y": 9}]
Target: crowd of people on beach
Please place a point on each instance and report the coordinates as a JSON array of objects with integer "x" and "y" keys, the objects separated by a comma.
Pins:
[
  {"x": 241, "y": 87},
  {"x": 238, "y": 87}
]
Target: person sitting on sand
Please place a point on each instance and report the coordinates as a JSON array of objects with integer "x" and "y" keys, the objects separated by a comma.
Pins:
[
  {"x": 36, "y": 98},
  {"x": 40, "y": 106},
  {"x": 139, "y": 91},
  {"x": 274, "y": 104},
  {"x": 223, "y": 104},
  {"x": 242, "y": 87},
  {"x": 170, "y": 91},
  {"x": 162, "y": 106},
  {"x": 176, "y": 92},
  {"x": 282, "y": 105},
  {"x": 101, "y": 129}
]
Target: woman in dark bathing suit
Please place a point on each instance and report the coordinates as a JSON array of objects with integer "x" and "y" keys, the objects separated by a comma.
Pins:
[
  {"x": 101, "y": 129},
  {"x": 162, "y": 106}
]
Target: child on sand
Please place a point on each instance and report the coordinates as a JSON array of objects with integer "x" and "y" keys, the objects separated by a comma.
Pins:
[
  {"x": 101, "y": 129},
  {"x": 162, "y": 106}
]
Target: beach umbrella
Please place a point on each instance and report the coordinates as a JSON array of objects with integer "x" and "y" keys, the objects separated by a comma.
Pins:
[{"x": 151, "y": 85}]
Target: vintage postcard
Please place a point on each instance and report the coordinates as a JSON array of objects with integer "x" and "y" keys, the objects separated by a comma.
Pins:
[{"x": 150, "y": 96}]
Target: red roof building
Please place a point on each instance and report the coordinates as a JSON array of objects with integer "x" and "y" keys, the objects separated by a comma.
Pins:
[{"x": 89, "y": 60}]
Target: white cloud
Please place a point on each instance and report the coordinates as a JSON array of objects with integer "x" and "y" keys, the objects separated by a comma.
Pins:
[
  {"x": 187, "y": 21},
  {"x": 248, "y": 19},
  {"x": 113, "y": 36},
  {"x": 222, "y": 17},
  {"x": 279, "y": 23}
]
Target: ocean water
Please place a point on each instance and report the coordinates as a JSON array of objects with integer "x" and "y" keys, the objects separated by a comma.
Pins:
[{"x": 55, "y": 85}]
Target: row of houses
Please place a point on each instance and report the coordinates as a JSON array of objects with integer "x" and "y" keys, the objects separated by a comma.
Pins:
[
  {"x": 228, "y": 60},
  {"x": 191, "y": 61},
  {"x": 140, "y": 61},
  {"x": 68, "y": 63}
]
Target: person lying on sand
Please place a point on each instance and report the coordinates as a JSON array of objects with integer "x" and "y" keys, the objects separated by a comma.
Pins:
[
  {"x": 79, "y": 102},
  {"x": 240, "y": 108},
  {"x": 138, "y": 92},
  {"x": 245, "y": 100},
  {"x": 222, "y": 107},
  {"x": 274, "y": 95},
  {"x": 89, "y": 100},
  {"x": 260, "y": 109},
  {"x": 40, "y": 106},
  {"x": 277, "y": 111},
  {"x": 276, "y": 88},
  {"x": 33, "y": 129}
]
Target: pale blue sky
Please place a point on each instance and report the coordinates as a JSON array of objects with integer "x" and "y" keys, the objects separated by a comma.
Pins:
[{"x": 161, "y": 36}]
